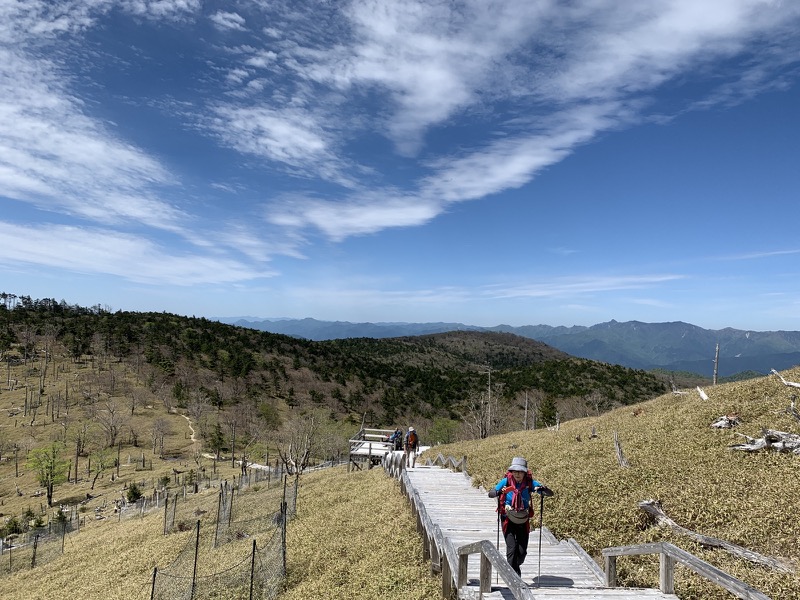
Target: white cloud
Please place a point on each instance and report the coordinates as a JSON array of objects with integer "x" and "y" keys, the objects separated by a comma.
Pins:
[
  {"x": 227, "y": 20},
  {"x": 57, "y": 159},
  {"x": 362, "y": 215}
]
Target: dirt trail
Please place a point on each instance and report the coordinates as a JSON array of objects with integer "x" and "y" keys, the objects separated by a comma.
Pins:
[{"x": 195, "y": 444}]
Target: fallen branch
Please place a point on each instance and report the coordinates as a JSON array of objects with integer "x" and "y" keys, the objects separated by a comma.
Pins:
[
  {"x": 653, "y": 508},
  {"x": 703, "y": 395},
  {"x": 789, "y": 383},
  {"x": 779, "y": 441}
]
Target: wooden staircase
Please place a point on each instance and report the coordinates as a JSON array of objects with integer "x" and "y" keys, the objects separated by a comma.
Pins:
[{"x": 459, "y": 530}]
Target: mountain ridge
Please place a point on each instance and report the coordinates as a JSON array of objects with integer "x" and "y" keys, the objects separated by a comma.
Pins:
[{"x": 674, "y": 345}]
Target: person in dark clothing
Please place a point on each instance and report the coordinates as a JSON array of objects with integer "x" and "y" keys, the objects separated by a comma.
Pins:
[
  {"x": 396, "y": 439},
  {"x": 514, "y": 494}
]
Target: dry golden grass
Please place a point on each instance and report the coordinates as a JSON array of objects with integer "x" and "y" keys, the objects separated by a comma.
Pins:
[
  {"x": 354, "y": 537},
  {"x": 677, "y": 458},
  {"x": 115, "y": 560}
]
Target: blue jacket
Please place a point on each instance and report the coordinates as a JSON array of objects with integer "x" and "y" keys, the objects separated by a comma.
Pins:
[{"x": 526, "y": 492}]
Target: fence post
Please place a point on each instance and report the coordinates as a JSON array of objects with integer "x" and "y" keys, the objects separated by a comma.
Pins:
[
  {"x": 219, "y": 509},
  {"x": 252, "y": 569},
  {"x": 230, "y": 507},
  {"x": 35, "y": 544},
  {"x": 166, "y": 507},
  {"x": 153, "y": 587},
  {"x": 196, "y": 550},
  {"x": 284, "y": 514}
]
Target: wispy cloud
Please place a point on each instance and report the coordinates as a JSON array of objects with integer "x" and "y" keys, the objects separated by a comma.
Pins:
[
  {"x": 759, "y": 255},
  {"x": 94, "y": 250},
  {"x": 228, "y": 20},
  {"x": 575, "y": 286}
]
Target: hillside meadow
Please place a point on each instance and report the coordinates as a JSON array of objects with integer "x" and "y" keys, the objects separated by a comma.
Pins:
[
  {"x": 678, "y": 459},
  {"x": 352, "y": 537}
]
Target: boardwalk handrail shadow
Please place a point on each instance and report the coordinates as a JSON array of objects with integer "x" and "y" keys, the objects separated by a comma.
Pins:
[
  {"x": 450, "y": 463},
  {"x": 669, "y": 556},
  {"x": 452, "y": 562}
]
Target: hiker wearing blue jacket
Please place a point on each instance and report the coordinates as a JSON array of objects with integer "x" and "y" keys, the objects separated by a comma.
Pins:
[{"x": 515, "y": 509}]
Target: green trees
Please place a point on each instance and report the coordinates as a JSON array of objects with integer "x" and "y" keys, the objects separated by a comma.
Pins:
[{"x": 50, "y": 468}]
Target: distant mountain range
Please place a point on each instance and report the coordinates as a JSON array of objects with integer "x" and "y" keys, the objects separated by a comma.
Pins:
[{"x": 675, "y": 346}]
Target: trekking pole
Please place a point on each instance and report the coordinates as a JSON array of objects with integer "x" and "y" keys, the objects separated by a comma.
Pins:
[
  {"x": 541, "y": 518},
  {"x": 543, "y": 491},
  {"x": 496, "y": 572}
]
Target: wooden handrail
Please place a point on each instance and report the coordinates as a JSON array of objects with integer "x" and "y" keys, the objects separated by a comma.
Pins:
[
  {"x": 669, "y": 555},
  {"x": 450, "y": 462},
  {"x": 490, "y": 557}
]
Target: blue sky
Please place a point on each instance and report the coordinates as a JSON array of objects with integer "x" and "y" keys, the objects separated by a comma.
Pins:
[{"x": 481, "y": 162}]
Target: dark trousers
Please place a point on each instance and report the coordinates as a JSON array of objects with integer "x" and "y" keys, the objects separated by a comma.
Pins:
[{"x": 516, "y": 543}]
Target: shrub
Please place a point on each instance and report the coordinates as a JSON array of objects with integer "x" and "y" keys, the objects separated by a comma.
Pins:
[
  {"x": 11, "y": 527},
  {"x": 134, "y": 493}
]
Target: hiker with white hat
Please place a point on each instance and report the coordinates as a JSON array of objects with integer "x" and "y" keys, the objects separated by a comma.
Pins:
[
  {"x": 515, "y": 509},
  {"x": 411, "y": 446}
]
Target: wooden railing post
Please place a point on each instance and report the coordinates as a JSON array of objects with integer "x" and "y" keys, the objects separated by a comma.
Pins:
[
  {"x": 463, "y": 562},
  {"x": 447, "y": 581},
  {"x": 666, "y": 575},
  {"x": 486, "y": 574},
  {"x": 611, "y": 571}
]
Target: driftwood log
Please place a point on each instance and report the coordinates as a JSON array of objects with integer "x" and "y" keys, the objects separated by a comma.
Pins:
[
  {"x": 653, "y": 508},
  {"x": 780, "y": 441}
]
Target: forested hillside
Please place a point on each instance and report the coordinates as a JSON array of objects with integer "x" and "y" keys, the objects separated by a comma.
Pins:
[{"x": 191, "y": 363}]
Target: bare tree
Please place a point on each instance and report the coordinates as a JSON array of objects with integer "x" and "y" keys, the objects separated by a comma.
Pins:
[
  {"x": 161, "y": 428},
  {"x": 299, "y": 441},
  {"x": 101, "y": 460},
  {"x": 111, "y": 419}
]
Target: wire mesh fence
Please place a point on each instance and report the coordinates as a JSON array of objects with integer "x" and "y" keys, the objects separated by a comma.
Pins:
[
  {"x": 38, "y": 546},
  {"x": 257, "y": 575}
]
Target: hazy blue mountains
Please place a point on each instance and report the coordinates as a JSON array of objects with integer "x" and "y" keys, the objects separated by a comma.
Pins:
[{"x": 675, "y": 346}]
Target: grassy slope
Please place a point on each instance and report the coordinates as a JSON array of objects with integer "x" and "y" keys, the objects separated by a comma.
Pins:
[
  {"x": 677, "y": 458},
  {"x": 354, "y": 537},
  {"x": 364, "y": 545}
]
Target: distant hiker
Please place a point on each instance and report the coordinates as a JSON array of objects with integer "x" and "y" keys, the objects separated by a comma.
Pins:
[
  {"x": 514, "y": 493},
  {"x": 411, "y": 445},
  {"x": 396, "y": 439}
]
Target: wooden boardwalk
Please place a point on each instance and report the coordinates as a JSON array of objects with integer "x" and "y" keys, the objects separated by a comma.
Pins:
[{"x": 465, "y": 514}]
